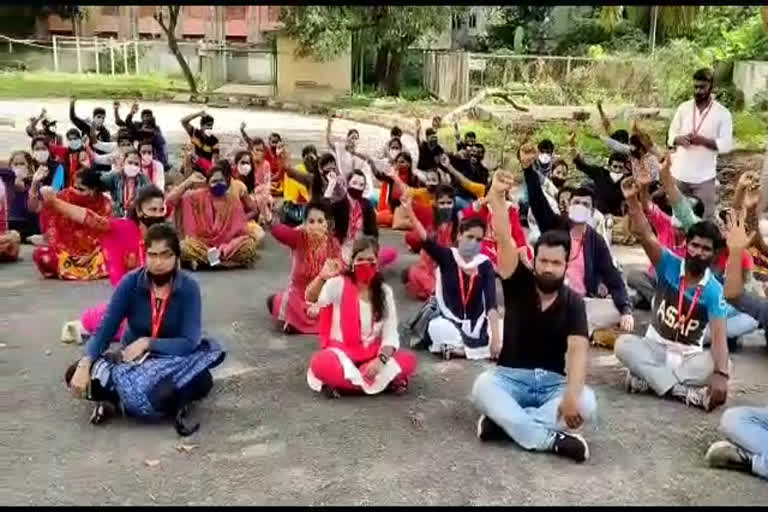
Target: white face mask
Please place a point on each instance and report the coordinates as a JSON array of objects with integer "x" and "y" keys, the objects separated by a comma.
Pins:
[
  {"x": 244, "y": 169},
  {"x": 98, "y": 122},
  {"x": 616, "y": 176},
  {"x": 545, "y": 158},
  {"x": 393, "y": 153},
  {"x": 146, "y": 159},
  {"x": 579, "y": 213},
  {"x": 41, "y": 156},
  {"x": 131, "y": 170},
  {"x": 20, "y": 171},
  {"x": 75, "y": 144}
]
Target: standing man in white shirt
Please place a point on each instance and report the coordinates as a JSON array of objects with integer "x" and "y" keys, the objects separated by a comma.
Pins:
[{"x": 701, "y": 129}]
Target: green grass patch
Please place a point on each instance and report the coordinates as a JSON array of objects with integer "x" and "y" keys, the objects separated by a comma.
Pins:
[
  {"x": 749, "y": 133},
  {"x": 45, "y": 85}
]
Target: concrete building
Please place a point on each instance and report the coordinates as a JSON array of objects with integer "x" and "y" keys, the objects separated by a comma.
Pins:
[{"x": 235, "y": 23}]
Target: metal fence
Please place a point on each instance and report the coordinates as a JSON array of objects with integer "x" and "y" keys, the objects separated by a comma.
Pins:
[{"x": 240, "y": 63}]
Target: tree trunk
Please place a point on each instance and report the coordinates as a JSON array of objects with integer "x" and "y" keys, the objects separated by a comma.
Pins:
[
  {"x": 393, "y": 73},
  {"x": 380, "y": 69},
  {"x": 182, "y": 63}
]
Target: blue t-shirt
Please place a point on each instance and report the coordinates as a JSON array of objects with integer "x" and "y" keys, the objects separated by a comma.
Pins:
[{"x": 666, "y": 318}]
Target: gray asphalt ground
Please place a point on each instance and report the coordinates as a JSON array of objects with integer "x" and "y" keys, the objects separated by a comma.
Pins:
[{"x": 267, "y": 439}]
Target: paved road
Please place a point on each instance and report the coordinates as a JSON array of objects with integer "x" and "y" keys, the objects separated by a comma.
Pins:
[
  {"x": 266, "y": 439},
  {"x": 296, "y": 130}
]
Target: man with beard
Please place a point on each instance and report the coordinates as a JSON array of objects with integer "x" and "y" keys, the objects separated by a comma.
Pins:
[
  {"x": 701, "y": 129},
  {"x": 670, "y": 359},
  {"x": 537, "y": 394},
  {"x": 590, "y": 262}
]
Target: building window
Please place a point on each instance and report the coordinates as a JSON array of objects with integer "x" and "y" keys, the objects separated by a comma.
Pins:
[
  {"x": 110, "y": 10},
  {"x": 456, "y": 22},
  {"x": 472, "y": 21},
  {"x": 236, "y": 12}
]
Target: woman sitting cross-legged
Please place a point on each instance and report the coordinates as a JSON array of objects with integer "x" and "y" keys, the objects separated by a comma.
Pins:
[
  {"x": 465, "y": 290},
  {"x": 311, "y": 244},
  {"x": 164, "y": 362},
  {"x": 361, "y": 353},
  {"x": 214, "y": 224}
]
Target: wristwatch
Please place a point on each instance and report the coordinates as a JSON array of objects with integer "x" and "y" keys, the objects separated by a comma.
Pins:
[{"x": 383, "y": 358}]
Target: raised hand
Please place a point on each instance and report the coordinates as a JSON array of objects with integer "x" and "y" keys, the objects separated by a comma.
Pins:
[
  {"x": 135, "y": 107},
  {"x": 738, "y": 239},
  {"x": 629, "y": 188},
  {"x": 331, "y": 268},
  {"x": 242, "y": 126}
]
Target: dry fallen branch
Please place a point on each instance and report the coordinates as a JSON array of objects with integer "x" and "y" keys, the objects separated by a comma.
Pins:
[{"x": 504, "y": 94}]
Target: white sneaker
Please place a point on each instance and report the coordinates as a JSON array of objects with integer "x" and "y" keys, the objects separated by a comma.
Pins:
[
  {"x": 634, "y": 384},
  {"x": 726, "y": 455},
  {"x": 698, "y": 397}
]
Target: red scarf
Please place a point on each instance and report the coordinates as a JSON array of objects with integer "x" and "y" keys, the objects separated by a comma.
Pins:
[{"x": 351, "y": 332}]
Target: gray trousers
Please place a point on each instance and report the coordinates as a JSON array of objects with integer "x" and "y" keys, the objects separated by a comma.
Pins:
[
  {"x": 647, "y": 358},
  {"x": 706, "y": 191},
  {"x": 643, "y": 283}
]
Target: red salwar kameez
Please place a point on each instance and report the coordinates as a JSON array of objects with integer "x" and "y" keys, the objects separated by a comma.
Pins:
[
  {"x": 308, "y": 256},
  {"x": 348, "y": 348}
]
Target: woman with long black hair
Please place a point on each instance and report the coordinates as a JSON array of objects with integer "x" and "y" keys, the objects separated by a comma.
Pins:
[{"x": 362, "y": 353}]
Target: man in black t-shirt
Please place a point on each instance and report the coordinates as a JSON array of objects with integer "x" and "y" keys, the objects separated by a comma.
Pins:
[
  {"x": 534, "y": 396},
  {"x": 206, "y": 144}
]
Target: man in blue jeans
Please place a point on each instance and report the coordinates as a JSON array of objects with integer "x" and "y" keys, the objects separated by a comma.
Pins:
[
  {"x": 746, "y": 428},
  {"x": 531, "y": 396}
]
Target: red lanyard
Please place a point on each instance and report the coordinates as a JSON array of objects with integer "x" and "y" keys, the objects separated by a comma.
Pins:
[
  {"x": 128, "y": 192},
  {"x": 696, "y": 127},
  {"x": 158, "y": 311},
  {"x": 142, "y": 255},
  {"x": 465, "y": 295},
  {"x": 683, "y": 319}
]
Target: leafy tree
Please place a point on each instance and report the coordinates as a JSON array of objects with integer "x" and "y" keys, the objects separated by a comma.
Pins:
[
  {"x": 168, "y": 24},
  {"x": 324, "y": 31},
  {"x": 533, "y": 19}
]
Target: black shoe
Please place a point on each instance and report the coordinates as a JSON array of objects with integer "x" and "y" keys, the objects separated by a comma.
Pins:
[
  {"x": 270, "y": 303},
  {"x": 734, "y": 344},
  {"x": 487, "y": 430},
  {"x": 572, "y": 446}
]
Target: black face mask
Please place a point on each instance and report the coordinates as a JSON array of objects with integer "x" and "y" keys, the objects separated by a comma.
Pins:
[
  {"x": 443, "y": 214},
  {"x": 548, "y": 284},
  {"x": 558, "y": 182},
  {"x": 696, "y": 265},
  {"x": 431, "y": 188},
  {"x": 151, "y": 220},
  {"x": 355, "y": 193},
  {"x": 162, "y": 279}
]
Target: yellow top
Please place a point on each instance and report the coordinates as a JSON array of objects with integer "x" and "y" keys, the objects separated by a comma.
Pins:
[{"x": 294, "y": 191}]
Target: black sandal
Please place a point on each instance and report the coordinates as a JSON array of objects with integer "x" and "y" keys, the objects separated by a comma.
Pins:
[
  {"x": 181, "y": 428},
  {"x": 331, "y": 393},
  {"x": 102, "y": 413}
]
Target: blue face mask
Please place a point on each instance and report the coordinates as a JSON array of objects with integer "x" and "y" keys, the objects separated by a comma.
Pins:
[
  {"x": 219, "y": 189},
  {"x": 468, "y": 249}
]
